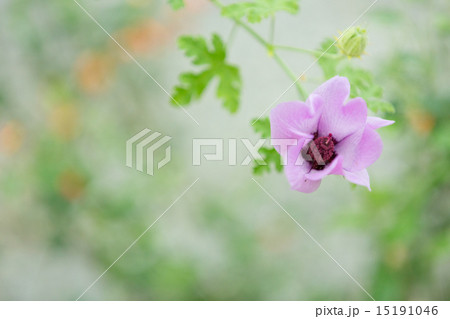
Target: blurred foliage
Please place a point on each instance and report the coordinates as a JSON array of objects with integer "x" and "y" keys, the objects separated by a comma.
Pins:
[
  {"x": 255, "y": 11},
  {"x": 176, "y": 4},
  {"x": 411, "y": 219}
]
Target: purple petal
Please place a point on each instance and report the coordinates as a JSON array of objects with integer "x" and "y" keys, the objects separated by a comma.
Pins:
[
  {"x": 334, "y": 92},
  {"x": 296, "y": 169},
  {"x": 303, "y": 184},
  {"x": 376, "y": 122},
  {"x": 360, "y": 150},
  {"x": 295, "y": 119},
  {"x": 341, "y": 121},
  {"x": 360, "y": 177},
  {"x": 334, "y": 168},
  {"x": 347, "y": 149}
]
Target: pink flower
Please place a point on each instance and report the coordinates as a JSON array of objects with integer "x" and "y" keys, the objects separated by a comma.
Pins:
[{"x": 334, "y": 135}]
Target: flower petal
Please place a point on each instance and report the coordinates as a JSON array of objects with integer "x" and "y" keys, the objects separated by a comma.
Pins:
[
  {"x": 334, "y": 168},
  {"x": 296, "y": 169},
  {"x": 334, "y": 92},
  {"x": 360, "y": 150},
  {"x": 295, "y": 119},
  {"x": 302, "y": 184},
  {"x": 360, "y": 177},
  {"x": 376, "y": 122},
  {"x": 341, "y": 121}
]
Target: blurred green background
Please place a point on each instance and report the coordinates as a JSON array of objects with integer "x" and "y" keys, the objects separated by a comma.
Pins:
[{"x": 70, "y": 98}]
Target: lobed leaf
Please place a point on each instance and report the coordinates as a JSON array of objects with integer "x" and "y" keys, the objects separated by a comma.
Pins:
[
  {"x": 271, "y": 158},
  {"x": 229, "y": 87},
  {"x": 192, "y": 85},
  {"x": 257, "y": 10},
  {"x": 196, "y": 48},
  {"x": 262, "y": 126}
]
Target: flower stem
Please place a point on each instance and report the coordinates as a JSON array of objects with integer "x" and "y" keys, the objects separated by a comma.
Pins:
[
  {"x": 312, "y": 52},
  {"x": 271, "y": 50},
  {"x": 231, "y": 35},
  {"x": 294, "y": 78},
  {"x": 272, "y": 29}
]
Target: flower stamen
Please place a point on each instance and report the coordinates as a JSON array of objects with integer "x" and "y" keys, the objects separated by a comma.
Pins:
[{"x": 320, "y": 151}]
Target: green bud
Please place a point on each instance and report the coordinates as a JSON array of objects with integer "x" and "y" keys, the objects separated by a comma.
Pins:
[{"x": 353, "y": 42}]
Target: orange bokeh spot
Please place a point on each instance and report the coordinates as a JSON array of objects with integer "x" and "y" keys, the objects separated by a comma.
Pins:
[
  {"x": 144, "y": 38},
  {"x": 11, "y": 138},
  {"x": 71, "y": 185},
  {"x": 421, "y": 121},
  {"x": 93, "y": 71}
]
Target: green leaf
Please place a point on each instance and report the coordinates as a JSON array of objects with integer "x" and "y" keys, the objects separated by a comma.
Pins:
[
  {"x": 192, "y": 86},
  {"x": 213, "y": 57},
  {"x": 361, "y": 81},
  {"x": 229, "y": 87},
  {"x": 363, "y": 85},
  {"x": 262, "y": 126},
  {"x": 257, "y": 10},
  {"x": 442, "y": 24},
  {"x": 196, "y": 48},
  {"x": 328, "y": 65},
  {"x": 176, "y": 4},
  {"x": 328, "y": 45},
  {"x": 271, "y": 158},
  {"x": 380, "y": 106}
]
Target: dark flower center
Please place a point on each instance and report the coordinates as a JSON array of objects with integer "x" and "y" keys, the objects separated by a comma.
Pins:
[{"x": 320, "y": 151}]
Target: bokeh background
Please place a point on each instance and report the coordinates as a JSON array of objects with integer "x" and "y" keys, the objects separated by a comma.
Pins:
[{"x": 70, "y": 98}]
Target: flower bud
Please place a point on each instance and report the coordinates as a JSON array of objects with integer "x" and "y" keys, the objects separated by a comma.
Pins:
[{"x": 353, "y": 42}]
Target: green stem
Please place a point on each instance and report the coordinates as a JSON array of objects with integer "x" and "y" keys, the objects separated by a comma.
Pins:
[
  {"x": 252, "y": 32},
  {"x": 232, "y": 34},
  {"x": 272, "y": 29},
  {"x": 284, "y": 66},
  {"x": 270, "y": 48},
  {"x": 312, "y": 52}
]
